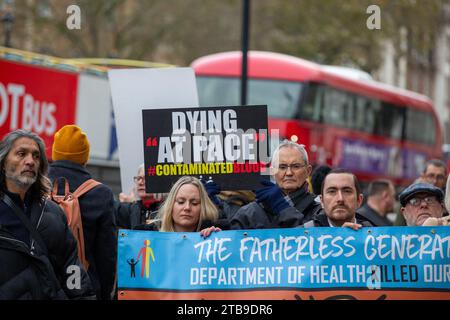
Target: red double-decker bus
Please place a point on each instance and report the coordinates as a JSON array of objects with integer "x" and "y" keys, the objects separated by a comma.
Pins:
[{"x": 373, "y": 129}]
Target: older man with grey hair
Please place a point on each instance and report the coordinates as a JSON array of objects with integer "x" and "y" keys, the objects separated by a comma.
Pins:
[
  {"x": 422, "y": 205},
  {"x": 286, "y": 203},
  {"x": 140, "y": 208}
]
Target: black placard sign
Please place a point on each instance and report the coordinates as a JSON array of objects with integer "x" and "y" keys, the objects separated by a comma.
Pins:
[{"x": 229, "y": 145}]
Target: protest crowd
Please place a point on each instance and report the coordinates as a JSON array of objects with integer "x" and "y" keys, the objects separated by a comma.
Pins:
[{"x": 42, "y": 257}]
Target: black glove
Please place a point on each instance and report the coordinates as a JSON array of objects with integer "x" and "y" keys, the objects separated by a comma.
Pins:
[
  {"x": 272, "y": 195},
  {"x": 212, "y": 189}
]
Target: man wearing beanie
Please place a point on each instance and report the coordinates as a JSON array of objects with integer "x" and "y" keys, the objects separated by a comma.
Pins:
[{"x": 70, "y": 153}]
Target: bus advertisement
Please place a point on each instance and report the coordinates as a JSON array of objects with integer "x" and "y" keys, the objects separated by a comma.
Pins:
[
  {"x": 42, "y": 93},
  {"x": 28, "y": 102},
  {"x": 373, "y": 129}
]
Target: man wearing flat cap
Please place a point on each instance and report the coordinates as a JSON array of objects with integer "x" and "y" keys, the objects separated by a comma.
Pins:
[{"x": 422, "y": 205}]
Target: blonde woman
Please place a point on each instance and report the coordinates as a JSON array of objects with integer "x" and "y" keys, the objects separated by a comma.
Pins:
[{"x": 188, "y": 208}]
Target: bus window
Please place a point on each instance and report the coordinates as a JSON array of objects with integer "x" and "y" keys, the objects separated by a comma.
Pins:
[
  {"x": 333, "y": 108},
  {"x": 281, "y": 97},
  {"x": 351, "y": 112},
  {"x": 365, "y": 114},
  {"x": 218, "y": 91},
  {"x": 390, "y": 121},
  {"x": 424, "y": 121},
  {"x": 373, "y": 109},
  {"x": 338, "y": 108},
  {"x": 311, "y": 108},
  {"x": 397, "y": 121}
]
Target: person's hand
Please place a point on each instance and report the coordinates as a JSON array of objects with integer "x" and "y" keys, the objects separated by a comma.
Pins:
[
  {"x": 205, "y": 233},
  {"x": 434, "y": 222},
  {"x": 431, "y": 222},
  {"x": 123, "y": 197},
  {"x": 444, "y": 221},
  {"x": 271, "y": 195},
  {"x": 212, "y": 189},
  {"x": 351, "y": 225}
]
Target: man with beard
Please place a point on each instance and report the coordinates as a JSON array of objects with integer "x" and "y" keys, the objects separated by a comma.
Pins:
[
  {"x": 38, "y": 253},
  {"x": 341, "y": 197},
  {"x": 422, "y": 205}
]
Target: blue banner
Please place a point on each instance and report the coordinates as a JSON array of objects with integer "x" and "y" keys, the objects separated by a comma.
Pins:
[{"x": 389, "y": 258}]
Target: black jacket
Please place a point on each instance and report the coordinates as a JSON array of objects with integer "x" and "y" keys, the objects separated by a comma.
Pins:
[
  {"x": 370, "y": 214},
  {"x": 97, "y": 215},
  {"x": 231, "y": 201},
  {"x": 129, "y": 215},
  {"x": 228, "y": 208},
  {"x": 259, "y": 216},
  {"x": 35, "y": 271},
  {"x": 321, "y": 220}
]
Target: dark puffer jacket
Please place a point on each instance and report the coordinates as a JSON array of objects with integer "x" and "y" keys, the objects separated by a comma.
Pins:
[
  {"x": 42, "y": 273},
  {"x": 97, "y": 215},
  {"x": 130, "y": 215},
  {"x": 259, "y": 216},
  {"x": 232, "y": 201}
]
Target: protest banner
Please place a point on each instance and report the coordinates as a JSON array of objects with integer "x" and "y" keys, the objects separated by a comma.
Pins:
[
  {"x": 135, "y": 89},
  {"x": 297, "y": 263},
  {"x": 228, "y": 145}
]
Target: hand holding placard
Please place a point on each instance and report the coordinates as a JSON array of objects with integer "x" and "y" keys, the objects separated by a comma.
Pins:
[{"x": 271, "y": 195}]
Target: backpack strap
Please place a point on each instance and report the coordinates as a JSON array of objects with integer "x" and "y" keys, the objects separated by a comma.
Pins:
[
  {"x": 55, "y": 188},
  {"x": 85, "y": 187},
  {"x": 26, "y": 222}
]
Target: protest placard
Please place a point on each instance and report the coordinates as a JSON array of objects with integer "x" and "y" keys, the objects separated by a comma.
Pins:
[
  {"x": 228, "y": 145},
  {"x": 135, "y": 89}
]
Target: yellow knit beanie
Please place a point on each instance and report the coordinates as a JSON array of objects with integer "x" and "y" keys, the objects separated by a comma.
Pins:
[{"x": 71, "y": 144}]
